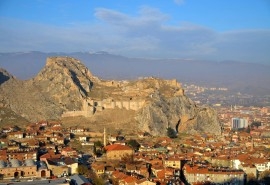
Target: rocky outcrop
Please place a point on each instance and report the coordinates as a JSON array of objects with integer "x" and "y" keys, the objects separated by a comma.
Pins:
[
  {"x": 66, "y": 87},
  {"x": 60, "y": 86},
  {"x": 179, "y": 113}
]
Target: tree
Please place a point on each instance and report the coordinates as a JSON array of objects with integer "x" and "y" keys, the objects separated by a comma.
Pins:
[
  {"x": 98, "y": 144},
  {"x": 82, "y": 170},
  {"x": 128, "y": 159},
  {"x": 98, "y": 148},
  {"x": 256, "y": 124},
  {"x": 134, "y": 144},
  {"x": 95, "y": 179},
  {"x": 171, "y": 133}
]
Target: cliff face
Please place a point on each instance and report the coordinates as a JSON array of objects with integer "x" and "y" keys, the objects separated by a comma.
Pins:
[
  {"x": 66, "y": 87},
  {"x": 179, "y": 113},
  {"x": 60, "y": 85},
  {"x": 64, "y": 81}
]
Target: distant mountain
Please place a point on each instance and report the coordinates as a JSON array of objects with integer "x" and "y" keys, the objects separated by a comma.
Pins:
[{"x": 237, "y": 76}]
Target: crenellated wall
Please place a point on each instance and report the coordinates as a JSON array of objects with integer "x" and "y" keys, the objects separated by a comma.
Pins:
[
  {"x": 121, "y": 104},
  {"x": 91, "y": 106}
]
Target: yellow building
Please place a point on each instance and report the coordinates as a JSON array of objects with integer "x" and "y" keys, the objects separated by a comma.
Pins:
[
  {"x": 117, "y": 151},
  {"x": 173, "y": 162}
]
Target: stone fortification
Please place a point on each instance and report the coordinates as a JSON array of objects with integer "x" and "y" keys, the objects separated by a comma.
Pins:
[{"x": 92, "y": 106}]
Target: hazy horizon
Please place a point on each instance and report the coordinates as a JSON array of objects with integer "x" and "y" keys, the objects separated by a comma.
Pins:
[{"x": 243, "y": 77}]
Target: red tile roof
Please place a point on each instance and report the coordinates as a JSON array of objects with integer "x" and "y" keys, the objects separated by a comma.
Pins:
[
  {"x": 130, "y": 179},
  {"x": 117, "y": 147}
]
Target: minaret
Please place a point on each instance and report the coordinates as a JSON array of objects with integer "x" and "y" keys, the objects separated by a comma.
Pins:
[{"x": 104, "y": 137}]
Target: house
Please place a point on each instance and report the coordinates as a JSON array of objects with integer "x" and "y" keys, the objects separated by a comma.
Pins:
[
  {"x": 109, "y": 169},
  {"x": 15, "y": 135},
  {"x": 117, "y": 151},
  {"x": 7, "y": 130},
  {"x": 76, "y": 130},
  {"x": 128, "y": 180},
  {"x": 30, "y": 134},
  {"x": 199, "y": 173},
  {"x": 131, "y": 168},
  {"x": 143, "y": 171},
  {"x": 158, "y": 170},
  {"x": 84, "y": 138},
  {"x": 69, "y": 152},
  {"x": 20, "y": 155},
  {"x": 261, "y": 164},
  {"x": 117, "y": 175},
  {"x": 62, "y": 166},
  {"x": 98, "y": 168},
  {"x": 250, "y": 169},
  {"x": 173, "y": 162},
  {"x": 112, "y": 138}
]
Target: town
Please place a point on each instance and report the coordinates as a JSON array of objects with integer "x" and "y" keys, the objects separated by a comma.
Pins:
[
  {"x": 46, "y": 150},
  {"x": 216, "y": 96}
]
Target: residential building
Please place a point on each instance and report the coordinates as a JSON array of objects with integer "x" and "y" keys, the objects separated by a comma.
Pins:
[{"x": 117, "y": 151}]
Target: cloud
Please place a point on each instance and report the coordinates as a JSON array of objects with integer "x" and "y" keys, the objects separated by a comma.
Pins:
[
  {"x": 146, "y": 15},
  {"x": 146, "y": 34},
  {"x": 159, "y": 39}
]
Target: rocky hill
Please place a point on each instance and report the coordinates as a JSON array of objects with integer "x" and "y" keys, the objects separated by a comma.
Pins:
[{"x": 65, "y": 89}]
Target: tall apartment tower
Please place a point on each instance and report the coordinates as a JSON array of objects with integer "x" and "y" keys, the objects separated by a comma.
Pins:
[{"x": 239, "y": 123}]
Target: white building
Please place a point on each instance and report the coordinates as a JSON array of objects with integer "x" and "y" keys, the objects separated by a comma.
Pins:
[{"x": 239, "y": 123}]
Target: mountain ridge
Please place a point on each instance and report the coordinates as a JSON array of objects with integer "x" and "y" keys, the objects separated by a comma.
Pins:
[{"x": 66, "y": 88}]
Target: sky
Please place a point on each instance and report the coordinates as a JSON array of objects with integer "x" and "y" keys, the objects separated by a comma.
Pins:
[{"x": 217, "y": 30}]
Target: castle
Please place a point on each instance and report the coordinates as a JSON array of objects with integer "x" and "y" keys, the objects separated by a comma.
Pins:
[{"x": 133, "y": 98}]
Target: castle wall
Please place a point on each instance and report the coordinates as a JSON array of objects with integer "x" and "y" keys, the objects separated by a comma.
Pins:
[
  {"x": 75, "y": 113},
  {"x": 126, "y": 104},
  {"x": 119, "y": 104},
  {"x": 91, "y": 106}
]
